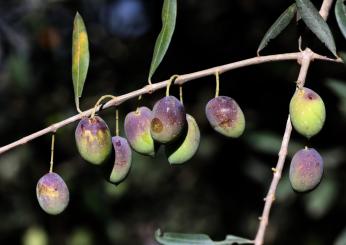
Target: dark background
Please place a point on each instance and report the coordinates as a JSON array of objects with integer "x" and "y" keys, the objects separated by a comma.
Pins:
[{"x": 221, "y": 190}]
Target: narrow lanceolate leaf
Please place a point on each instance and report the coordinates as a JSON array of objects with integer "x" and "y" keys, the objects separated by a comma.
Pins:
[
  {"x": 343, "y": 56},
  {"x": 316, "y": 23},
  {"x": 80, "y": 57},
  {"x": 169, "y": 14},
  {"x": 279, "y": 25},
  {"x": 238, "y": 240},
  {"x": 169, "y": 238},
  {"x": 340, "y": 13}
]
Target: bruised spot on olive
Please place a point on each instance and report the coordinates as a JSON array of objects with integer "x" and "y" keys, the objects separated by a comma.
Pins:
[
  {"x": 311, "y": 96},
  {"x": 156, "y": 125},
  {"x": 226, "y": 123}
]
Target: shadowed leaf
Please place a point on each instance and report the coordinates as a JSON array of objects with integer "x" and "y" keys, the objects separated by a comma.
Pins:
[
  {"x": 238, "y": 240},
  {"x": 340, "y": 13},
  {"x": 169, "y": 238},
  {"x": 316, "y": 23},
  {"x": 343, "y": 56},
  {"x": 80, "y": 57},
  {"x": 169, "y": 14},
  {"x": 279, "y": 25}
]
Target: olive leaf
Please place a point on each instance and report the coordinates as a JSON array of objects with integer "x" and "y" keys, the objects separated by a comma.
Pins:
[
  {"x": 343, "y": 56},
  {"x": 169, "y": 238},
  {"x": 169, "y": 14},
  {"x": 279, "y": 25},
  {"x": 316, "y": 23},
  {"x": 340, "y": 13},
  {"x": 80, "y": 57}
]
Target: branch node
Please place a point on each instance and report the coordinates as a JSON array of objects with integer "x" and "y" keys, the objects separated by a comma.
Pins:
[{"x": 149, "y": 88}]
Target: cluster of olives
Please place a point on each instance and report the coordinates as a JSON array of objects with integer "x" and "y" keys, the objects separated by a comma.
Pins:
[
  {"x": 308, "y": 114},
  {"x": 166, "y": 124}
]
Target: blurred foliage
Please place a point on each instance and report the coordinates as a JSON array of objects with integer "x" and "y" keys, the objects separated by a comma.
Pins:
[{"x": 220, "y": 191}]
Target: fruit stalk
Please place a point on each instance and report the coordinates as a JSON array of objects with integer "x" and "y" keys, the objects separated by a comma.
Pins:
[{"x": 52, "y": 154}]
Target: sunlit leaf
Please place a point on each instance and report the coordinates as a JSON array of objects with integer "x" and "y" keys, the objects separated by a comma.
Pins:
[
  {"x": 316, "y": 23},
  {"x": 169, "y": 14},
  {"x": 340, "y": 13},
  {"x": 279, "y": 25},
  {"x": 169, "y": 238},
  {"x": 80, "y": 57}
]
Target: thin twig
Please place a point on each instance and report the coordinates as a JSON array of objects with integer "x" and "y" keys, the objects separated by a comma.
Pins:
[
  {"x": 305, "y": 60},
  {"x": 148, "y": 89},
  {"x": 277, "y": 171},
  {"x": 325, "y": 8}
]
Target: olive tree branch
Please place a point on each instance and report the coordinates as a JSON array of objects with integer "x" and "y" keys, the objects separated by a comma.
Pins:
[
  {"x": 325, "y": 8},
  {"x": 159, "y": 85},
  {"x": 306, "y": 57}
]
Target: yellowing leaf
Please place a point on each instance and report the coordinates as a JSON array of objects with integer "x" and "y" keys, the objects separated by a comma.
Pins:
[{"x": 80, "y": 57}]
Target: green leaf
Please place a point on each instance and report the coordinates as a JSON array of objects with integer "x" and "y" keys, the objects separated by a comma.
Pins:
[
  {"x": 343, "y": 56},
  {"x": 341, "y": 239},
  {"x": 279, "y": 25},
  {"x": 169, "y": 238},
  {"x": 316, "y": 23},
  {"x": 235, "y": 239},
  {"x": 340, "y": 13},
  {"x": 169, "y": 14},
  {"x": 80, "y": 57}
]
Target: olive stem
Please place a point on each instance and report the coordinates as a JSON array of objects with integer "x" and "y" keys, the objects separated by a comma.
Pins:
[
  {"x": 181, "y": 94},
  {"x": 171, "y": 80},
  {"x": 52, "y": 153},
  {"x": 217, "y": 89},
  {"x": 108, "y": 96},
  {"x": 116, "y": 122},
  {"x": 138, "y": 103},
  {"x": 148, "y": 89}
]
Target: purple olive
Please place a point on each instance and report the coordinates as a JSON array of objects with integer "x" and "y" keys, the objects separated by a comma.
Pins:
[
  {"x": 225, "y": 116},
  {"x": 52, "y": 193},
  {"x": 137, "y": 130},
  {"x": 122, "y": 162},
  {"x": 169, "y": 119},
  {"x": 306, "y": 170},
  {"x": 93, "y": 140}
]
